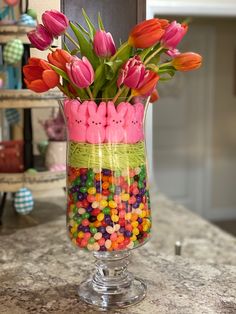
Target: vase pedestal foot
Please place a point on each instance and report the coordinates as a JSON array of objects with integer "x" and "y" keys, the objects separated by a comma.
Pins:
[{"x": 112, "y": 286}]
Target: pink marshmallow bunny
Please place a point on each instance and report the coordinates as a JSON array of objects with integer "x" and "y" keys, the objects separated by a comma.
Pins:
[
  {"x": 96, "y": 122},
  {"x": 76, "y": 114},
  {"x": 134, "y": 123},
  {"x": 115, "y": 122}
]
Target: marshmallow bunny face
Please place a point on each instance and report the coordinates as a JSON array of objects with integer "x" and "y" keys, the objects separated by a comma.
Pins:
[
  {"x": 115, "y": 122},
  {"x": 134, "y": 123},
  {"x": 96, "y": 122}
]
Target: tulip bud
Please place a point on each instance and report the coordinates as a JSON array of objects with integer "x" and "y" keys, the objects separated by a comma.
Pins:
[
  {"x": 39, "y": 77},
  {"x": 80, "y": 72},
  {"x": 59, "y": 58},
  {"x": 154, "y": 96},
  {"x": 55, "y": 22},
  {"x": 187, "y": 61},
  {"x": 173, "y": 35},
  {"x": 147, "y": 33},
  {"x": 148, "y": 85},
  {"x": 132, "y": 73},
  {"x": 40, "y": 38},
  {"x": 103, "y": 44}
]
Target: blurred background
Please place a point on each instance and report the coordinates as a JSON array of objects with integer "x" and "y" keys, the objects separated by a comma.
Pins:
[{"x": 190, "y": 130}]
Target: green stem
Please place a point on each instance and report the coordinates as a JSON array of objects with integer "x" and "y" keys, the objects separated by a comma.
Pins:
[
  {"x": 118, "y": 94},
  {"x": 153, "y": 55},
  {"x": 50, "y": 48},
  {"x": 72, "y": 40},
  {"x": 130, "y": 97},
  {"x": 89, "y": 93},
  {"x": 165, "y": 64}
]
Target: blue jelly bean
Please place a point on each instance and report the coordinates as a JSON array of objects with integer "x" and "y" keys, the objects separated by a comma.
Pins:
[
  {"x": 128, "y": 234},
  {"x": 106, "y": 236},
  {"x": 102, "y": 229}
]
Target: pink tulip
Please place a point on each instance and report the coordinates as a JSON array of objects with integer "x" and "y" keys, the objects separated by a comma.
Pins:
[
  {"x": 40, "y": 38},
  {"x": 55, "y": 22},
  {"x": 132, "y": 73},
  {"x": 103, "y": 44},
  {"x": 173, "y": 52},
  {"x": 173, "y": 35},
  {"x": 80, "y": 72}
]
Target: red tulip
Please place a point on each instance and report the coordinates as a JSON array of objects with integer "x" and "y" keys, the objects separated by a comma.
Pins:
[
  {"x": 132, "y": 73},
  {"x": 11, "y": 3},
  {"x": 59, "y": 58},
  {"x": 187, "y": 61},
  {"x": 55, "y": 22},
  {"x": 173, "y": 35},
  {"x": 40, "y": 38},
  {"x": 147, "y": 33},
  {"x": 148, "y": 85},
  {"x": 39, "y": 77},
  {"x": 80, "y": 72},
  {"x": 103, "y": 44}
]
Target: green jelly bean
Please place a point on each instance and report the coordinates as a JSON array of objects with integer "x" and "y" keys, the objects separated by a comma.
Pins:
[
  {"x": 106, "y": 210},
  {"x": 90, "y": 174},
  {"x": 89, "y": 183},
  {"x": 85, "y": 216},
  {"x": 75, "y": 234},
  {"x": 83, "y": 189},
  {"x": 140, "y": 184},
  {"x": 112, "y": 188},
  {"x": 110, "y": 197},
  {"x": 79, "y": 220},
  {"x": 93, "y": 230},
  {"x": 117, "y": 173},
  {"x": 91, "y": 240}
]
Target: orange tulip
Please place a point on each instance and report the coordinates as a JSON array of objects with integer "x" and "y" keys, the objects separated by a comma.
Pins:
[
  {"x": 187, "y": 61},
  {"x": 59, "y": 58},
  {"x": 39, "y": 77},
  {"x": 147, "y": 33},
  {"x": 148, "y": 85}
]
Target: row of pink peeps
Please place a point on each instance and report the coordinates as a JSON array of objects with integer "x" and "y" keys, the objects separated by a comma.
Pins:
[{"x": 104, "y": 123}]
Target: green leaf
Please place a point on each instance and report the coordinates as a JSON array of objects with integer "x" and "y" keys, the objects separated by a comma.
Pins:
[
  {"x": 123, "y": 53},
  {"x": 111, "y": 68},
  {"x": 110, "y": 90},
  {"x": 86, "y": 47},
  {"x": 84, "y": 30},
  {"x": 75, "y": 51},
  {"x": 100, "y": 22},
  {"x": 99, "y": 79},
  {"x": 144, "y": 53},
  {"x": 65, "y": 47},
  {"x": 91, "y": 27},
  {"x": 60, "y": 72}
]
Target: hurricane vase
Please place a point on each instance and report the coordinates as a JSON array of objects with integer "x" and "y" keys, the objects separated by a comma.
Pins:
[{"x": 108, "y": 202}]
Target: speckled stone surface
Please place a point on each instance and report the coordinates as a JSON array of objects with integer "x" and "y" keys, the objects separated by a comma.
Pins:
[{"x": 40, "y": 270}]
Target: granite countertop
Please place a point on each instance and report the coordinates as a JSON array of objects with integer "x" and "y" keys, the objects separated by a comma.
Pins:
[{"x": 40, "y": 270}]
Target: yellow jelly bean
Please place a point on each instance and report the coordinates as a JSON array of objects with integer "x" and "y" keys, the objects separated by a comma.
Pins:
[
  {"x": 80, "y": 234},
  {"x": 133, "y": 238},
  {"x": 141, "y": 206},
  {"x": 92, "y": 190},
  {"x": 125, "y": 197},
  {"x": 112, "y": 204},
  {"x": 134, "y": 224},
  {"x": 103, "y": 203},
  {"x": 135, "y": 231},
  {"x": 128, "y": 216},
  {"x": 145, "y": 228},
  {"x": 100, "y": 217},
  {"x": 114, "y": 218}
]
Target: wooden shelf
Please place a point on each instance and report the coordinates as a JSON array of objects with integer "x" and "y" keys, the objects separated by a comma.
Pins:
[
  {"x": 9, "y": 32},
  {"x": 45, "y": 180},
  {"x": 25, "y": 98}
]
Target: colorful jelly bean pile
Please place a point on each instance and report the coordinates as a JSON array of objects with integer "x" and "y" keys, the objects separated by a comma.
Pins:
[{"x": 108, "y": 210}]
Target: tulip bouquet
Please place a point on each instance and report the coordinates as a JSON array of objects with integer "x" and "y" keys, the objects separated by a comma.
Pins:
[{"x": 95, "y": 68}]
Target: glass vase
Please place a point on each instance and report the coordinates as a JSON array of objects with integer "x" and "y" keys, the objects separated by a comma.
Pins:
[{"x": 108, "y": 203}]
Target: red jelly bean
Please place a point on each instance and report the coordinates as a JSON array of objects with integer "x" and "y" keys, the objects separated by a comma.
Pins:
[
  {"x": 85, "y": 222},
  {"x": 83, "y": 170},
  {"x": 128, "y": 227},
  {"x": 85, "y": 203},
  {"x": 95, "y": 211},
  {"x": 79, "y": 204}
]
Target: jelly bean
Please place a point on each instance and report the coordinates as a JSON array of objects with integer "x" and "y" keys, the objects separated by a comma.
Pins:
[
  {"x": 98, "y": 197},
  {"x": 97, "y": 224},
  {"x": 105, "y": 185},
  {"x": 81, "y": 210},
  {"x": 109, "y": 229},
  {"x": 106, "y": 172},
  {"x": 96, "y": 246},
  {"x": 83, "y": 189},
  {"x": 108, "y": 244},
  {"x": 91, "y": 198},
  {"x": 95, "y": 204},
  {"x": 112, "y": 204},
  {"x": 84, "y": 242},
  {"x": 93, "y": 230},
  {"x": 125, "y": 197},
  {"x": 98, "y": 176},
  {"x": 80, "y": 196},
  {"x": 97, "y": 236},
  {"x": 116, "y": 227},
  {"x": 115, "y": 218},
  {"x": 105, "y": 178},
  {"x": 112, "y": 188},
  {"x": 92, "y": 190},
  {"x": 101, "y": 241},
  {"x": 105, "y": 192},
  {"x": 113, "y": 236},
  {"x": 135, "y": 231},
  {"x": 85, "y": 222},
  {"x": 134, "y": 224},
  {"x": 117, "y": 199},
  {"x": 128, "y": 233},
  {"x": 110, "y": 197},
  {"x": 103, "y": 203},
  {"x": 85, "y": 215},
  {"x": 87, "y": 235},
  {"x": 90, "y": 247},
  {"x": 100, "y": 216},
  {"x": 91, "y": 240},
  {"x": 106, "y": 210}
]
